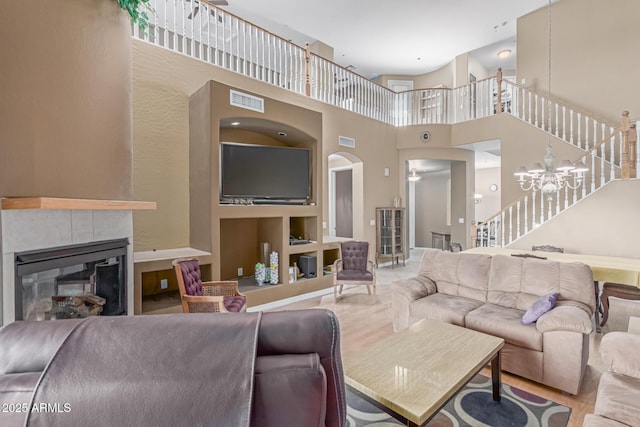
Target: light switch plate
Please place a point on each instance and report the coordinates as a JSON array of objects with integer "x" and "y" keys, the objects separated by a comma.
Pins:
[
  {"x": 460, "y": 220},
  {"x": 372, "y": 222}
]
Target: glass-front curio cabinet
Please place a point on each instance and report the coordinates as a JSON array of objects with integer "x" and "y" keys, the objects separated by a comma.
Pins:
[{"x": 390, "y": 242}]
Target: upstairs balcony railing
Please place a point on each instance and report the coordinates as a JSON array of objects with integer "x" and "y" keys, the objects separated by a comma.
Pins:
[{"x": 202, "y": 31}]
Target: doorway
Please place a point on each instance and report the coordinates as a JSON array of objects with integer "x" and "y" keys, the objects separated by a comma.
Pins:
[{"x": 343, "y": 181}]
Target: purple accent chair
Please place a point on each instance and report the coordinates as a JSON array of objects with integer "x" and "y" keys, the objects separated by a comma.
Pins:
[
  {"x": 354, "y": 268},
  {"x": 206, "y": 297}
]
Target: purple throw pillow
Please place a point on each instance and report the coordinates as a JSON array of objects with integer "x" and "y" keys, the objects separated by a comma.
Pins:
[{"x": 540, "y": 307}]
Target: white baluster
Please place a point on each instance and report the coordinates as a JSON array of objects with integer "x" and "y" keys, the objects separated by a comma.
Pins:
[
  {"x": 571, "y": 126},
  {"x": 526, "y": 213},
  {"x": 533, "y": 209},
  {"x": 558, "y": 202},
  {"x": 579, "y": 122},
  {"x": 518, "y": 219},
  {"x": 510, "y": 224},
  {"x": 564, "y": 123},
  {"x": 566, "y": 197},
  {"x": 536, "y": 102},
  {"x": 593, "y": 169},
  {"x": 586, "y": 132},
  {"x": 602, "y": 154},
  {"x": 541, "y": 208},
  {"x": 502, "y": 228},
  {"x": 556, "y": 123},
  {"x": 549, "y": 203}
]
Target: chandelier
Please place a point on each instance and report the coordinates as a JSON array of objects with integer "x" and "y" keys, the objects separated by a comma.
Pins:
[
  {"x": 550, "y": 180},
  {"x": 547, "y": 179}
]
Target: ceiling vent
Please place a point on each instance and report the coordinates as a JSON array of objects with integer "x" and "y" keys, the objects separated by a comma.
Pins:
[
  {"x": 346, "y": 142},
  {"x": 249, "y": 102}
]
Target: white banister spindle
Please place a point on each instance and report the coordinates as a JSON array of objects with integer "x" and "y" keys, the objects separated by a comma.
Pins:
[
  {"x": 579, "y": 124},
  {"x": 541, "y": 207},
  {"x": 533, "y": 209},
  {"x": 566, "y": 197},
  {"x": 502, "y": 233},
  {"x": 510, "y": 223},
  {"x": 518, "y": 219},
  {"x": 549, "y": 203},
  {"x": 557, "y": 128},
  {"x": 602, "y": 154},
  {"x": 558, "y": 201},
  {"x": 537, "y": 107},
  {"x": 593, "y": 171},
  {"x": 526, "y": 214}
]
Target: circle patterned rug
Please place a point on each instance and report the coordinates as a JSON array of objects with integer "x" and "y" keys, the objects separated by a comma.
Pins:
[{"x": 473, "y": 406}]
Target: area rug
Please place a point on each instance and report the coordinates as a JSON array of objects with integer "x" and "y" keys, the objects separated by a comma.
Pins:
[{"x": 473, "y": 406}]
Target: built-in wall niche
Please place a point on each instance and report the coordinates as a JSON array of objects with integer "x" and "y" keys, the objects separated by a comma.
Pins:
[
  {"x": 307, "y": 263},
  {"x": 303, "y": 227},
  {"x": 262, "y": 161},
  {"x": 329, "y": 257},
  {"x": 241, "y": 244}
]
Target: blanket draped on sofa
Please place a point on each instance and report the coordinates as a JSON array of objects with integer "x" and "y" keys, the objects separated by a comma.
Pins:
[{"x": 144, "y": 396}]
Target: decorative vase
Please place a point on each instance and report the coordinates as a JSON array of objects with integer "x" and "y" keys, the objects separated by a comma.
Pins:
[
  {"x": 273, "y": 263},
  {"x": 260, "y": 273}
]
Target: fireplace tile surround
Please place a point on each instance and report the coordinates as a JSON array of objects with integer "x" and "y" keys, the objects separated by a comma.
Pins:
[{"x": 42, "y": 228}]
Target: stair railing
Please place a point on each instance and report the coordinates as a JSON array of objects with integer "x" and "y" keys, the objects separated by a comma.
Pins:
[
  {"x": 535, "y": 208},
  {"x": 566, "y": 122}
]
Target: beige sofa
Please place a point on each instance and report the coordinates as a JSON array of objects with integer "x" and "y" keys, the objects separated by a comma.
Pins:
[
  {"x": 491, "y": 294},
  {"x": 618, "y": 401}
]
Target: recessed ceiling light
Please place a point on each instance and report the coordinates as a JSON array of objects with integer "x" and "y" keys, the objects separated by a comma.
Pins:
[
  {"x": 282, "y": 133},
  {"x": 235, "y": 123},
  {"x": 504, "y": 54}
]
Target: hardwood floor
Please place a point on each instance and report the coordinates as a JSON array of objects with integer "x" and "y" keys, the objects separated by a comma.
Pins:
[{"x": 363, "y": 322}]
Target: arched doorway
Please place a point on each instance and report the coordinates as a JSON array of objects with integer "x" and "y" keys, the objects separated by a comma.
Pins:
[{"x": 345, "y": 198}]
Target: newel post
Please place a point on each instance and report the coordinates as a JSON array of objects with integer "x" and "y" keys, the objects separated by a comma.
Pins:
[
  {"x": 307, "y": 70},
  {"x": 629, "y": 139},
  {"x": 499, "y": 108}
]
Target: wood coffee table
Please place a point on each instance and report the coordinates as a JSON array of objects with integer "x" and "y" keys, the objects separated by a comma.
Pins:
[{"x": 412, "y": 374}]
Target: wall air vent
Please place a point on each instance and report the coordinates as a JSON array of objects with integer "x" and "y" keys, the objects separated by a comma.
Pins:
[
  {"x": 346, "y": 142},
  {"x": 243, "y": 100}
]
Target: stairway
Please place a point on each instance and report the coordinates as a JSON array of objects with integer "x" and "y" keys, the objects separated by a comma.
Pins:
[{"x": 601, "y": 143}]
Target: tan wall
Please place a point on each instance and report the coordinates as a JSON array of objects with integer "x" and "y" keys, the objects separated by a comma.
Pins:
[
  {"x": 175, "y": 81},
  {"x": 65, "y": 99},
  {"x": 594, "y": 63},
  {"x": 490, "y": 202},
  {"x": 431, "y": 206}
]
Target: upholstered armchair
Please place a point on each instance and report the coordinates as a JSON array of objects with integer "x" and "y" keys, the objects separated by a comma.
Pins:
[
  {"x": 206, "y": 297},
  {"x": 354, "y": 268}
]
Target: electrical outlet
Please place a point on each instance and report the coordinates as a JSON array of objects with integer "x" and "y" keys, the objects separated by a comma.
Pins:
[
  {"x": 164, "y": 283},
  {"x": 240, "y": 271}
]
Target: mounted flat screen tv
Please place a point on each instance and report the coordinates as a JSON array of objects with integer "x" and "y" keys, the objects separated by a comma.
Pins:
[{"x": 263, "y": 173}]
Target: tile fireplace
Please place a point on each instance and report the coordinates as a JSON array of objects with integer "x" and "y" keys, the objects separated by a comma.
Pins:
[{"x": 91, "y": 250}]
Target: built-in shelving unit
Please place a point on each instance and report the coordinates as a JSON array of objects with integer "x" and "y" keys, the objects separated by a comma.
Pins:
[{"x": 235, "y": 233}]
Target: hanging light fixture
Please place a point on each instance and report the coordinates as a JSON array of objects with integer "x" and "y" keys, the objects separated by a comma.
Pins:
[
  {"x": 545, "y": 178},
  {"x": 413, "y": 176},
  {"x": 551, "y": 180}
]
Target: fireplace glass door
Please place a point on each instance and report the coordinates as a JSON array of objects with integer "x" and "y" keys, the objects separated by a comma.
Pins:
[{"x": 71, "y": 282}]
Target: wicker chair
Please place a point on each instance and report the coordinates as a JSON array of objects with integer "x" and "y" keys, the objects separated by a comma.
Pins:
[
  {"x": 352, "y": 269},
  {"x": 206, "y": 297},
  {"x": 547, "y": 248}
]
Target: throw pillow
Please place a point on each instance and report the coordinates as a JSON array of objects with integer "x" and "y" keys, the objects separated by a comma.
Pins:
[{"x": 540, "y": 307}]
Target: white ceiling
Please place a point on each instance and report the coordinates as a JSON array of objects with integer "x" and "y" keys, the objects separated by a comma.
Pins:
[{"x": 408, "y": 37}]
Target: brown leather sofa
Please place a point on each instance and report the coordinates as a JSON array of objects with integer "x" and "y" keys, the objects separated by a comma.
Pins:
[
  {"x": 248, "y": 369},
  {"x": 491, "y": 294},
  {"x": 618, "y": 399}
]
